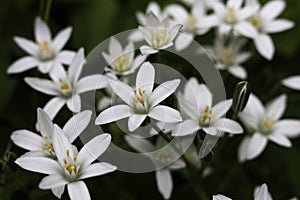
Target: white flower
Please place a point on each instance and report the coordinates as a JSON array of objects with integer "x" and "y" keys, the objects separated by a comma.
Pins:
[
  {"x": 232, "y": 17},
  {"x": 206, "y": 3},
  {"x": 122, "y": 61},
  {"x": 229, "y": 56},
  {"x": 196, "y": 104},
  {"x": 265, "y": 124},
  {"x": 265, "y": 22},
  {"x": 41, "y": 145},
  {"x": 45, "y": 52},
  {"x": 190, "y": 21},
  {"x": 292, "y": 82},
  {"x": 71, "y": 166},
  {"x": 141, "y": 101},
  {"x": 158, "y": 33},
  {"x": 160, "y": 157},
  {"x": 66, "y": 86}
]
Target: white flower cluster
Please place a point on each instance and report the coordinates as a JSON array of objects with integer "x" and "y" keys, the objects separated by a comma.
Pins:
[{"x": 52, "y": 151}]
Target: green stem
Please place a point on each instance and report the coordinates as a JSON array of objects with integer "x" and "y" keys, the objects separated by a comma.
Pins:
[{"x": 47, "y": 10}]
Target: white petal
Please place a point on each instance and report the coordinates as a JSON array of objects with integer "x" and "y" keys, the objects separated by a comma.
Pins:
[
  {"x": 58, "y": 73},
  {"x": 272, "y": 9},
  {"x": 97, "y": 169},
  {"x": 41, "y": 31},
  {"x": 248, "y": 11},
  {"x": 135, "y": 121},
  {"x": 276, "y": 107},
  {"x": 45, "y": 124},
  {"x": 38, "y": 164},
  {"x": 122, "y": 90},
  {"x": 242, "y": 57},
  {"x": 74, "y": 103},
  {"x": 246, "y": 29},
  {"x": 22, "y": 65},
  {"x": 278, "y": 26},
  {"x": 292, "y": 82},
  {"x": 163, "y": 91},
  {"x": 146, "y": 50},
  {"x": 138, "y": 61},
  {"x": 78, "y": 191},
  {"x": 61, "y": 38},
  {"x": 178, "y": 13},
  {"x": 280, "y": 139},
  {"x": 58, "y": 191},
  {"x": 104, "y": 103},
  {"x": 234, "y": 3},
  {"x": 257, "y": 144},
  {"x": 227, "y": 125},
  {"x": 91, "y": 83},
  {"x": 205, "y": 95},
  {"x": 288, "y": 127},
  {"x": 187, "y": 127},
  {"x": 145, "y": 77},
  {"x": 209, "y": 21},
  {"x": 135, "y": 36},
  {"x": 221, "y": 108},
  {"x": 66, "y": 57},
  {"x": 164, "y": 182},
  {"x": 265, "y": 46},
  {"x": 27, "y": 140},
  {"x": 238, "y": 71},
  {"x": 165, "y": 114},
  {"x": 183, "y": 40},
  {"x": 52, "y": 181},
  {"x": 139, "y": 144},
  {"x": 243, "y": 149},
  {"x": 74, "y": 127},
  {"x": 76, "y": 66},
  {"x": 262, "y": 193},
  {"x": 112, "y": 114},
  {"x": 46, "y": 67},
  {"x": 220, "y": 197},
  {"x": 93, "y": 149},
  {"x": 27, "y": 45},
  {"x": 42, "y": 85},
  {"x": 53, "y": 106},
  {"x": 114, "y": 48}
]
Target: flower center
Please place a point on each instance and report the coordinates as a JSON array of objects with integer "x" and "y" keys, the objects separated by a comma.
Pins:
[
  {"x": 48, "y": 146},
  {"x": 122, "y": 63},
  {"x": 226, "y": 56},
  {"x": 163, "y": 157},
  {"x": 267, "y": 124},
  {"x": 230, "y": 16},
  {"x": 255, "y": 21},
  {"x": 206, "y": 116},
  {"x": 191, "y": 22},
  {"x": 45, "y": 52},
  {"x": 71, "y": 165},
  {"x": 160, "y": 37},
  {"x": 65, "y": 87},
  {"x": 140, "y": 101}
]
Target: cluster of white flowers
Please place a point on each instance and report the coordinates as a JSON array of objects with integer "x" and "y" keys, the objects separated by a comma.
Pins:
[{"x": 52, "y": 153}]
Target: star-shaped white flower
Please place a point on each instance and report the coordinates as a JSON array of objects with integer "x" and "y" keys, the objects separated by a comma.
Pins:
[
  {"x": 71, "y": 166},
  {"x": 264, "y": 20},
  {"x": 142, "y": 101},
  {"x": 158, "y": 33},
  {"x": 199, "y": 113},
  {"x": 206, "y": 3},
  {"x": 292, "y": 82},
  {"x": 265, "y": 124},
  {"x": 191, "y": 22},
  {"x": 66, "y": 86},
  {"x": 167, "y": 156},
  {"x": 41, "y": 145},
  {"x": 232, "y": 17},
  {"x": 122, "y": 61},
  {"x": 229, "y": 56},
  {"x": 45, "y": 53}
]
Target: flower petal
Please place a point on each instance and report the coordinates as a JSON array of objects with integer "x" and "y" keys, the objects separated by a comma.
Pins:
[
  {"x": 187, "y": 127},
  {"x": 280, "y": 139},
  {"x": 183, "y": 40},
  {"x": 265, "y": 46},
  {"x": 74, "y": 103},
  {"x": 292, "y": 82},
  {"x": 22, "y": 64},
  {"x": 220, "y": 197},
  {"x": 257, "y": 144},
  {"x": 122, "y": 90},
  {"x": 74, "y": 127},
  {"x": 163, "y": 91},
  {"x": 227, "y": 125},
  {"x": 164, "y": 182},
  {"x": 114, "y": 48},
  {"x": 45, "y": 124},
  {"x": 93, "y": 149},
  {"x": 58, "y": 191},
  {"x": 272, "y": 9},
  {"x": 288, "y": 127},
  {"x": 234, "y": 3},
  {"x": 246, "y": 29},
  {"x": 146, "y": 50},
  {"x": 145, "y": 77},
  {"x": 238, "y": 71},
  {"x": 276, "y": 107},
  {"x": 78, "y": 191},
  {"x": 53, "y": 106},
  {"x": 46, "y": 67},
  {"x": 27, "y": 140},
  {"x": 221, "y": 108},
  {"x": 262, "y": 193},
  {"x": 42, "y": 85},
  {"x": 52, "y": 181},
  {"x": 41, "y": 31},
  {"x": 66, "y": 57},
  {"x": 97, "y": 169},
  {"x": 112, "y": 114},
  {"x": 76, "y": 66},
  {"x": 135, "y": 121},
  {"x": 139, "y": 144},
  {"x": 243, "y": 149},
  {"x": 61, "y": 39},
  {"x": 205, "y": 95},
  {"x": 27, "y": 45},
  {"x": 91, "y": 83},
  {"x": 165, "y": 114}
]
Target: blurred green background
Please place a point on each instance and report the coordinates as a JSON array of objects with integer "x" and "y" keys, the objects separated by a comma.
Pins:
[{"x": 94, "y": 21}]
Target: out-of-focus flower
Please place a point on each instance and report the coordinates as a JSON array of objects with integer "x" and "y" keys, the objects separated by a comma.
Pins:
[
  {"x": 220, "y": 197},
  {"x": 141, "y": 101},
  {"x": 264, "y": 20},
  {"x": 228, "y": 56},
  {"x": 66, "y": 86},
  {"x": 232, "y": 17},
  {"x": 265, "y": 124},
  {"x": 41, "y": 145},
  {"x": 190, "y": 21},
  {"x": 160, "y": 157},
  {"x": 292, "y": 82},
  {"x": 71, "y": 166},
  {"x": 45, "y": 53},
  {"x": 158, "y": 33},
  {"x": 122, "y": 61},
  {"x": 196, "y": 104},
  {"x": 206, "y": 3}
]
